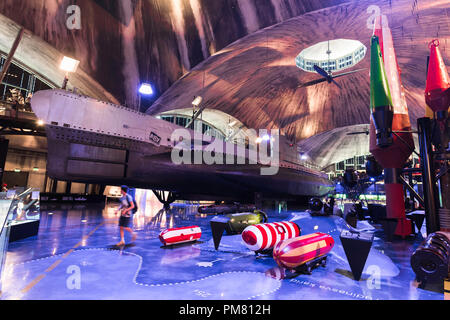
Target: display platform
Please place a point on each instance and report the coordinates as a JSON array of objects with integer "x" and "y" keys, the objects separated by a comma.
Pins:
[{"x": 73, "y": 258}]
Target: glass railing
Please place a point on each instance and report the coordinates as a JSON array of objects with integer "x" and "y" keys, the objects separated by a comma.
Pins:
[{"x": 16, "y": 207}]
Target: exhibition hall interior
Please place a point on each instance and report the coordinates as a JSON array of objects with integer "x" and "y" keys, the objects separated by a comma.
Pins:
[{"x": 224, "y": 150}]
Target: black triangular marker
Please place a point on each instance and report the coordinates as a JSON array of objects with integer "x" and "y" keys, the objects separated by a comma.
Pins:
[
  {"x": 418, "y": 219},
  {"x": 218, "y": 225},
  {"x": 357, "y": 247},
  {"x": 351, "y": 218}
]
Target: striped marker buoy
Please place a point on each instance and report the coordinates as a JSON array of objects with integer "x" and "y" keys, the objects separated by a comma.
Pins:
[
  {"x": 180, "y": 235},
  {"x": 292, "y": 253},
  {"x": 263, "y": 237}
]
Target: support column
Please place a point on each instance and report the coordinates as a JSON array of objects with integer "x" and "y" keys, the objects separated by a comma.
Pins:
[
  {"x": 68, "y": 187},
  {"x": 444, "y": 181},
  {"x": 101, "y": 191},
  {"x": 54, "y": 186},
  {"x": 395, "y": 201},
  {"x": 3, "y": 153},
  {"x": 427, "y": 165},
  {"x": 44, "y": 190}
]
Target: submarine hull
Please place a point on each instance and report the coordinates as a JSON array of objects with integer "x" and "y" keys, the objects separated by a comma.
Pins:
[{"x": 78, "y": 156}]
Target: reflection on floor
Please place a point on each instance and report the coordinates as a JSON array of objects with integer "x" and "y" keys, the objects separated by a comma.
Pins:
[{"x": 74, "y": 257}]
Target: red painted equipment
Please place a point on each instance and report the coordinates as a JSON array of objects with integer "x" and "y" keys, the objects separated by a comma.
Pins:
[
  {"x": 391, "y": 140},
  {"x": 437, "y": 92},
  {"x": 296, "y": 252},
  {"x": 263, "y": 237},
  {"x": 437, "y": 97},
  {"x": 180, "y": 235}
]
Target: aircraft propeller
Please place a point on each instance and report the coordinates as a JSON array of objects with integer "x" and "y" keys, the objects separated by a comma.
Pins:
[{"x": 329, "y": 77}]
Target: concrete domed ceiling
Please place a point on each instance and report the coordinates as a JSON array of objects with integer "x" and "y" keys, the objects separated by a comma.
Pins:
[
  {"x": 122, "y": 43},
  {"x": 256, "y": 80}
]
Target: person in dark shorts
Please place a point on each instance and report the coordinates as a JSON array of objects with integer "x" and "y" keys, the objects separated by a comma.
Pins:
[{"x": 126, "y": 210}]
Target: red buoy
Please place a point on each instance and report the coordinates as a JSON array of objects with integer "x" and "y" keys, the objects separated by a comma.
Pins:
[
  {"x": 437, "y": 91},
  {"x": 180, "y": 235},
  {"x": 263, "y": 237},
  {"x": 293, "y": 253}
]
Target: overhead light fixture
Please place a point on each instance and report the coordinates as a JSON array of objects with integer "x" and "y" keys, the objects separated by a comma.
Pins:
[
  {"x": 146, "y": 89},
  {"x": 303, "y": 156},
  {"x": 69, "y": 64},
  {"x": 259, "y": 140},
  {"x": 197, "y": 101},
  {"x": 17, "y": 170},
  {"x": 40, "y": 122},
  {"x": 266, "y": 137}
]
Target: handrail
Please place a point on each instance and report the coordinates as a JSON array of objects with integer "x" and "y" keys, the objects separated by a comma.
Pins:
[{"x": 8, "y": 214}]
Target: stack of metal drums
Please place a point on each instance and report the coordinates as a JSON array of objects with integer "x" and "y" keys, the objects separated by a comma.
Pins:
[{"x": 431, "y": 260}]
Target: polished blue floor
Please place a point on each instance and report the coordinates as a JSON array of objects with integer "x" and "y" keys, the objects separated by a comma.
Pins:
[{"x": 74, "y": 257}]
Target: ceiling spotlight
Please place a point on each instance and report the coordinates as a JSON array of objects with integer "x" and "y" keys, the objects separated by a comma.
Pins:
[
  {"x": 231, "y": 124},
  {"x": 197, "y": 101},
  {"x": 69, "y": 64},
  {"x": 266, "y": 137},
  {"x": 40, "y": 122},
  {"x": 146, "y": 89},
  {"x": 258, "y": 140}
]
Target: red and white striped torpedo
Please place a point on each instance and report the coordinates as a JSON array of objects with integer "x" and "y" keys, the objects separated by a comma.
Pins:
[
  {"x": 180, "y": 235},
  {"x": 295, "y": 252},
  {"x": 263, "y": 237}
]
